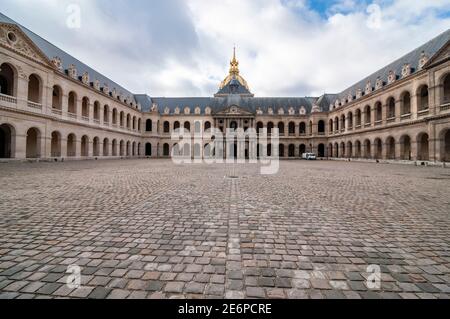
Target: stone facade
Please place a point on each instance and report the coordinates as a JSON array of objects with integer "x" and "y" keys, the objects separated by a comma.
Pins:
[{"x": 48, "y": 111}]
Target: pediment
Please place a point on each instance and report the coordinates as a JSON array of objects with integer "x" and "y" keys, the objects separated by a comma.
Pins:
[
  {"x": 234, "y": 111},
  {"x": 13, "y": 38},
  {"x": 441, "y": 56}
]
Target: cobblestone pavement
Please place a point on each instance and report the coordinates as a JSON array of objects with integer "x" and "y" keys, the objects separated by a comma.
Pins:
[{"x": 149, "y": 229}]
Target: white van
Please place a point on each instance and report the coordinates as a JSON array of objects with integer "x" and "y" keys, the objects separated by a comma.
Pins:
[{"x": 309, "y": 156}]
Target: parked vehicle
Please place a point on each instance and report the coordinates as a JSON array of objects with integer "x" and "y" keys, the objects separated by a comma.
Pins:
[{"x": 309, "y": 156}]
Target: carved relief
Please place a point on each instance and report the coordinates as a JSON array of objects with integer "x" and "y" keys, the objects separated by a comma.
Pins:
[
  {"x": 349, "y": 97},
  {"x": 423, "y": 60},
  {"x": 291, "y": 111},
  {"x": 106, "y": 89},
  {"x": 177, "y": 110},
  {"x": 369, "y": 87},
  {"x": 97, "y": 85},
  {"x": 259, "y": 111},
  {"x": 208, "y": 111},
  {"x": 280, "y": 111},
  {"x": 378, "y": 84},
  {"x": 11, "y": 37},
  {"x": 392, "y": 77},
  {"x": 406, "y": 70},
  {"x": 197, "y": 111},
  {"x": 114, "y": 93},
  {"x": 302, "y": 110},
  {"x": 154, "y": 107},
  {"x": 187, "y": 110},
  {"x": 57, "y": 63},
  {"x": 72, "y": 71},
  {"x": 359, "y": 93},
  {"x": 85, "y": 78},
  {"x": 166, "y": 110},
  {"x": 337, "y": 103},
  {"x": 270, "y": 111},
  {"x": 315, "y": 109}
]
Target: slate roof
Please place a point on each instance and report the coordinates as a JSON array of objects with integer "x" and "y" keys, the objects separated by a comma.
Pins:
[
  {"x": 218, "y": 103},
  {"x": 52, "y": 51},
  {"x": 237, "y": 95},
  {"x": 430, "y": 48}
]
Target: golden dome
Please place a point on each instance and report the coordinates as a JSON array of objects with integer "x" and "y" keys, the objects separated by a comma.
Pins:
[{"x": 234, "y": 73}]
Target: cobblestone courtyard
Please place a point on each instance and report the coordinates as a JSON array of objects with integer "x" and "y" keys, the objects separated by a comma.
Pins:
[{"x": 149, "y": 229}]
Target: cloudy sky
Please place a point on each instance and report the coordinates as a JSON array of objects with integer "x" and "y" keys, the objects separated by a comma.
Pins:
[{"x": 285, "y": 47}]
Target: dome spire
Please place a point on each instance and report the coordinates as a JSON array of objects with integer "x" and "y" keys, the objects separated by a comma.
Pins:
[{"x": 234, "y": 64}]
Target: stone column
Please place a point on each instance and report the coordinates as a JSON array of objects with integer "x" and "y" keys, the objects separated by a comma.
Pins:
[
  {"x": 22, "y": 92},
  {"x": 20, "y": 146},
  {"x": 46, "y": 152},
  {"x": 65, "y": 104},
  {"x": 63, "y": 147}
]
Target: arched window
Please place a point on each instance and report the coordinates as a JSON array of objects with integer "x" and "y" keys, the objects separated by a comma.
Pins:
[
  {"x": 85, "y": 108},
  {"x": 149, "y": 125},
  {"x": 406, "y": 103},
  {"x": 34, "y": 88},
  {"x": 423, "y": 147},
  {"x": 84, "y": 146},
  {"x": 259, "y": 127},
  {"x": 128, "y": 121},
  {"x": 139, "y": 125},
  {"x": 350, "y": 120},
  {"x": 96, "y": 146},
  {"x": 6, "y": 141},
  {"x": 71, "y": 145},
  {"x": 176, "y": 125},
  {"x": 187, "y": 126},
  {"x": 336, "y": 124},
  {"x": 57, "y": 98},
  {"x": 358, "y": 118},
  {"x": 166, "y": 150},
  {"x": 114, "y": 148},
  {"x": 291, "y": 128},
  {"x": 378, "y": 112},
  {"x": 106, "y": 114},
  {"x": 321, "y": 150},
  {"x": 148, "y": 149},
  {"x": 423, "y": 98},
  {"x": 281, "y": 150},
  {"x": 105, "y": 147},
  {"x": 56, "y": 144},
  {"x": 302, "y": 128},
  {"x": 166, "y": 127},
  {"x": 391, "y": 108},
  {"x": 134, "y": 123},
  {"x": 72, "y": 103},
  {"x": 122, "y": 120},
  {"x": 343, "y": 122},
  {"x": 291, "y": 150},
  {"x": 207, "y": 126},
  {"x": 446, "y": 90},
  {"x": 368, "y": 114},
  {"x": 97, "y": 111},
  {"x": 197, "y": 127},
  {"x": 330, "y": 125},
  {"x": 7, "y": 80},
  {"x": 311, "y": 127},
  {"x": 281, "y": 128},
  {"x": 269, "y": 128},
  {"x": 114, "y": 117}
]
